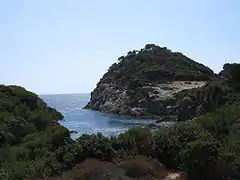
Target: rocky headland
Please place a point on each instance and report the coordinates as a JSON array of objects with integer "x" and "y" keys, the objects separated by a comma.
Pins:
[{"x": 149, "y": 83}]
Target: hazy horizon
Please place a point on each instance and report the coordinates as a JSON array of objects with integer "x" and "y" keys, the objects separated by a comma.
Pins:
[{"x": 64, "y": 47}]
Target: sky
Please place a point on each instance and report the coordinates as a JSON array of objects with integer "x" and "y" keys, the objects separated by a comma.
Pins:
[{"x": 65, "y": 46}]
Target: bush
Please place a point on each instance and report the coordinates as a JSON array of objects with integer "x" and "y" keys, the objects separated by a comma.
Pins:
[
  {"x": 60, "y": 136},
  {"x": 199, "y": 159},
  {"x": 232, "y": 71},
  {"x": 96, "y": 146},
  {"x": 169, "y": 141},
  {"x": 141, "y": 139}
]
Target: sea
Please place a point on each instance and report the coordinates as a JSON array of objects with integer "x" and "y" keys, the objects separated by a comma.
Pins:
[{"x": 88, "y": 121}]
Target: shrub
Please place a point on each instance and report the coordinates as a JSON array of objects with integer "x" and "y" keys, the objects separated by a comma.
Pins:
[
  {"x": 169, "y": 141},
  {"x": 60, "y": 135},
  {"x": 137, "y": 140},
  {"x": 96, "y": 146},
  {"x": 199, "y": 158},
  {"x": 41, "y": 120}
]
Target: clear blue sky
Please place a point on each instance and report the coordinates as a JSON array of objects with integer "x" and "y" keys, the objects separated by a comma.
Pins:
[{"x": 65, "y": 46}]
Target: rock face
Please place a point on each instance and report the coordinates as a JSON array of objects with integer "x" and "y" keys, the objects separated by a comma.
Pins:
[{"x": 145, "y": 83}]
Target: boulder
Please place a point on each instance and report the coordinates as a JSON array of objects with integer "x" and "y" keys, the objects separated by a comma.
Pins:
[
  {"x": 73, "y": 132},
  {"x": 135, "y": 112},
  {"x": 167, "y": 118},
  {"x": 152, "y": 125}
]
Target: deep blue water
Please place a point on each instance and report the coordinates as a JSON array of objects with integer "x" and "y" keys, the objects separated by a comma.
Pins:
[{"x": 88, "y": 121}]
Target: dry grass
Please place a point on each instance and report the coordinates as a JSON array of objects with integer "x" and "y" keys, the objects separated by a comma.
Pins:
[{"x": 139, "y": 168}]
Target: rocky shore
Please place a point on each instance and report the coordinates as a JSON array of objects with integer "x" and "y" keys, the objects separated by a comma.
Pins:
[{"x": 159, "y": 99}]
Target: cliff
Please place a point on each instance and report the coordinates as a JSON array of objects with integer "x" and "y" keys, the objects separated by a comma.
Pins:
[{"x": 145, "y": 83}]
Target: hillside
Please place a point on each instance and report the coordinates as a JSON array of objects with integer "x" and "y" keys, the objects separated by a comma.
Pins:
[
  {"x": 29, "y": 135},
  {"x": 144, "y": 83},
  {"x": 34, "y": 146},
  {"x": 154, "y": 64}
]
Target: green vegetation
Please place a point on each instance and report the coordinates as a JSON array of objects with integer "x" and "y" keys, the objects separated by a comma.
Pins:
[
  {"x": 33, "y": 144},
  {"x": 29, "y": 135},
  {"x": 199, "y": 101},
  {"x": 207, "y": 148},
  {"x": 154, "y": 64},
  {"x": 135, "y": 84}
]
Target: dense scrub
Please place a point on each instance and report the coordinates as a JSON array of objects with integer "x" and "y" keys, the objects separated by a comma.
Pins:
[
  {"x": 199, "y": 101},
  {"x": 29, "y": 135},
  {"x": 206, "y": 148},
  {"x": 214, "y": 94},
  {"x": 154, "y": 64}
]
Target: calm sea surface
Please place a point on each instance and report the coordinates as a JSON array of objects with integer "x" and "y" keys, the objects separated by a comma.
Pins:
[{"x": 88, "y": 121}]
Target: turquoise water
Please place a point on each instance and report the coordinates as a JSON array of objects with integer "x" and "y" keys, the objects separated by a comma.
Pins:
[{"x": 88, "y": 121}]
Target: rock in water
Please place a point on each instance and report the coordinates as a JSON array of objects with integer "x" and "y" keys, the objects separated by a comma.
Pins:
[
  {"x": 145, "y": 83},
  {"x": 73, "y": 132}
]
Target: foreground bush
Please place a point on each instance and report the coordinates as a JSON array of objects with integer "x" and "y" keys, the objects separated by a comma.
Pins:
[
  {"x": 170, "y": 141},
  {"x": 133, "y": 142},
  {"x": 199, "y": 159}
]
